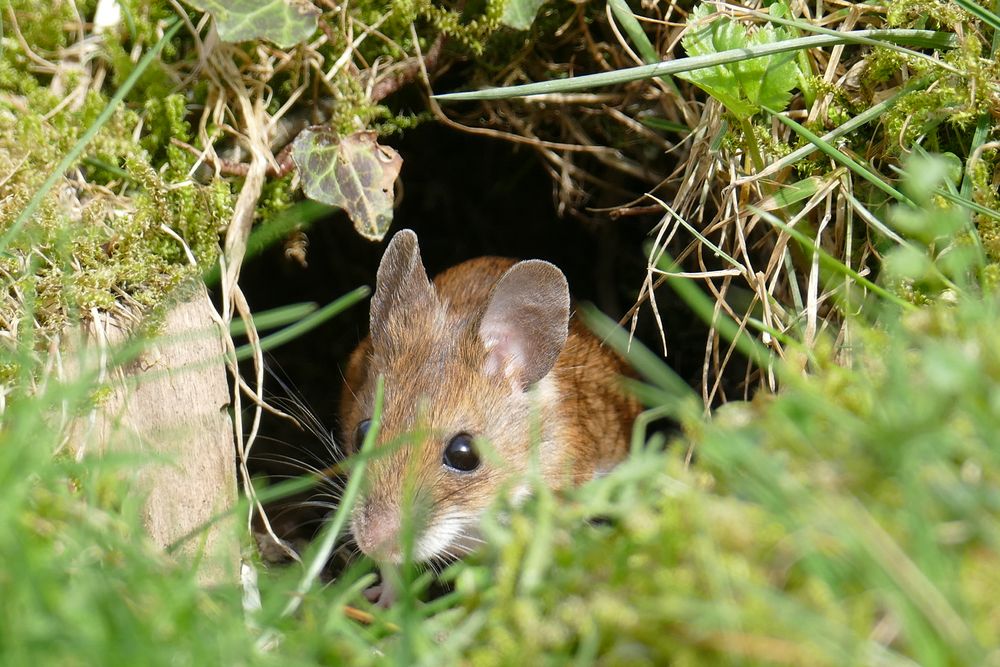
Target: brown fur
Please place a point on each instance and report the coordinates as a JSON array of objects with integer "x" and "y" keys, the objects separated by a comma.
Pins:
[{"x": 432, "y": 359}]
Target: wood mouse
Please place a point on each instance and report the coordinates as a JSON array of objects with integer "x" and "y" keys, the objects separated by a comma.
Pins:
[{"x": 478, "y": 365}]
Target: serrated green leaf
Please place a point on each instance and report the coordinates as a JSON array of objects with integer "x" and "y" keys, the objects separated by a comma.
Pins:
[
  {"x": 704, "y": 37},
  {"x": 283, "y": 22},
  {"x": 743, "y": 87},
  {"x": 520, "y": 14},
  {"x": 354, "y": 173},
  {"x": 768, "y": 82}
]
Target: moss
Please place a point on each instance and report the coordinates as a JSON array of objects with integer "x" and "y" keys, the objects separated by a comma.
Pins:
[
  {"x": 42, "y": 25},
  {"x": 401, "y": 122},
  {"x": 469, "y": 29},
  {"x": 154, "y": 82},
  {"x": 924, "y": 14},
  {"x": 87, "y": 247},
  {"x": 955, "y": 100},
  {"x": 167, "y": 118},
  {"x": 276, "y": 196}
]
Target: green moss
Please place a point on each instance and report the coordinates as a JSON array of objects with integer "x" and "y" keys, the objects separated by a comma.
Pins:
[
  {"x": 154, "y": 83},
  {"x": 924, "y": 14},
  {"x": 167, "y": 118},
  {"x": 88, "y": 247},
  {"x": 469, "y": 29},
  {"x": 955, "y": 101},
  {"x": 42, "y": 25}
]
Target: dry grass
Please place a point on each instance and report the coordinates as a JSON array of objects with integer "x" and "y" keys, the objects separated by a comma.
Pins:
[{"x": 606, "y": 164}]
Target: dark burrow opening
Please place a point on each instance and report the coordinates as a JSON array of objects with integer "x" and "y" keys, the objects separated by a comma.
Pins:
[{"x": 464, "y": 196}]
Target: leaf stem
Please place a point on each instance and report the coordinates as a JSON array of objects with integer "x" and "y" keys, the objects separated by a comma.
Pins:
[{"x": 750, "y": 140}]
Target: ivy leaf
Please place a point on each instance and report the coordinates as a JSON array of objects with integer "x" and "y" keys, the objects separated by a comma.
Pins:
[
  {"x": 354, "y": 173},
  {"x": 746, "y": 86},
  {"x": 283, "y": 22},
  {"x": 520, "y": 14}
]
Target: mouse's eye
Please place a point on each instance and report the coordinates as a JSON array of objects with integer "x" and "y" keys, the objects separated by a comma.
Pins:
[
  {"x": 361, "y": 432},
  {"x": 461, "y": 454}
]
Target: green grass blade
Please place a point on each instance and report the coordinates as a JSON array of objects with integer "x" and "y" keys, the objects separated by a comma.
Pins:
[
  {"x": 704, "y": 307},
  {"x": 274, "y": 318},
  {"x": 649, "y": 364},
  {"x": 634, "y": 30},
  {"x": 842, "y": 158},
  {"x": 305, "y": 324},
  {"x": 806, "y": 26},
  {"x": 872, "y": 220},
  {"x": 664, "y": 125},
  {"x": 981, "y": 13},
  {"x": 88, "y": 136},
  {"x": 115, "y": 171},
  {"x": 860, "y": 120},
  {"x": 924, "y": 38},
  {"x": 336, "y": 525},
  {"x": 968, "y": 203}
]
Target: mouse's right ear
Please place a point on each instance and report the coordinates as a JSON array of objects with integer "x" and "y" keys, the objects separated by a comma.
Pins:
[{"x": 401, "y": 284}]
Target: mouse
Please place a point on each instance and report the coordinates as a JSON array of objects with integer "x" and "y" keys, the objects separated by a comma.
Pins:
[{"x": 486, "y": 373}]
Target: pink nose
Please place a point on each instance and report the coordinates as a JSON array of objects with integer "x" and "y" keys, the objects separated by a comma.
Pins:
[{"x": 376, "y": 530}]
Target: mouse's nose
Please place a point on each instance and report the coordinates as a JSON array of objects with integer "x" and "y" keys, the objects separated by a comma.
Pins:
[{"x": 376, "y": 530}]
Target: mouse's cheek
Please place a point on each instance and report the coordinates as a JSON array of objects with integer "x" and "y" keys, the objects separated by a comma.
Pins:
[{"x": 449, "y": 537}]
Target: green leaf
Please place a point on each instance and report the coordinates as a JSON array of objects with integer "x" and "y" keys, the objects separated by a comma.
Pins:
[
  {"x": 354, "y": 173},
  {"x": 744, "y": 86},
  {"x": 664, "y": 124},
  {"x": 271, "y": 319},
  {"x": 707, "y": 38},
  {"x": 768, "y": 82},
  {"x": 283, "y": 22},
  {"x": 794, "y": 193},
  {"x": 520, "y": 14}
]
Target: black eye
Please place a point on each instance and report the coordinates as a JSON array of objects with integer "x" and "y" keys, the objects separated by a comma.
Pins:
[
  {"x": 362, "y": 430},
  {"x": 460, "y": 454}
]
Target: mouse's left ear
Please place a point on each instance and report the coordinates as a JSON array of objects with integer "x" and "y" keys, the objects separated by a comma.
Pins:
[{"x": 526, "y": 322}]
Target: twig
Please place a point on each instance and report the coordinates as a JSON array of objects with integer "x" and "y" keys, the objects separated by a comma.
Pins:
[
  {"x": 241, "y": 169},
  {"x": 409, "y": 71}
]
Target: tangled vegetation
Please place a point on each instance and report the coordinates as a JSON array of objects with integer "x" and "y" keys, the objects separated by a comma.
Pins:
[{"x": 830, "y": 209}]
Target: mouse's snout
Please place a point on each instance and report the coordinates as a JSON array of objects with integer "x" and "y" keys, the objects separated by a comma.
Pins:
[{"x": 376, "y": 531}]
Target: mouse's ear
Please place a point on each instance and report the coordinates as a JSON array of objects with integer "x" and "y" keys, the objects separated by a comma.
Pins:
[
  {"x": 526, "y": 322},
  {"x": 401, "y": 284}
]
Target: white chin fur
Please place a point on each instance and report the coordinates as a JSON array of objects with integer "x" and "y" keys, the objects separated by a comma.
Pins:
[{"x": 452, "y": 535}]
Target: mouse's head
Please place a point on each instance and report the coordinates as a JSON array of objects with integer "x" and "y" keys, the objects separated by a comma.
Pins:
[{"x": 459, "y": 411}]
